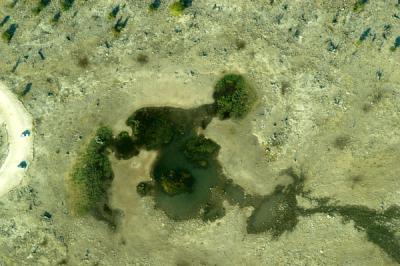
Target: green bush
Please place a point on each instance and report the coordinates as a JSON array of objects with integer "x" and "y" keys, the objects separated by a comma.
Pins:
[
  {"x": 92, "y": 174},
  {"x": 233, "y": 97},
  {"x": 151, "y": 127},
  {"x": 199, "y": 149},
  {"x": 67, "y": 4},
  {"x": 124, "y": 146}
]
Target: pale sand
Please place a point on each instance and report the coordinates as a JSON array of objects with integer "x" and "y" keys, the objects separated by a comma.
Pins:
[{"x": 20, "y": 148}]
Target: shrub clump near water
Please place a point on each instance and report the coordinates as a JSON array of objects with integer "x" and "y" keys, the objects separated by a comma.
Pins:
[
  {"x": 124, "y": 146},
  {"x": 174, "y": 182},
  {"x": 144, "y": 188},
  {"x": 199, "y": 149},
  {"x": 233, "y": 96},
  {"x": 151, "y": 127},
  {"x": 92, "y": 175}
]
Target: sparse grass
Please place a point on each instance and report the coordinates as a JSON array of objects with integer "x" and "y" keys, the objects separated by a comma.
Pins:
[{"x": 359, "y": 5}]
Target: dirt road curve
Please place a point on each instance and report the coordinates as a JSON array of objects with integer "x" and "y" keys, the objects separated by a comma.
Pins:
[{"x": 20, "y": 140}]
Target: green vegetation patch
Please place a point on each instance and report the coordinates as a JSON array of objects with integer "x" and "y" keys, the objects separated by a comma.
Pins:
[
  {"x": 175, "y": 182},
  {"x": 92, "y": 175},
  {"x": 124, "y": 146},
  {"x": 151, "y": 127},
  {"x": 178, "y": 7},
  {"x": 233, "y": 96},
  {"x": 199, "y": 149}
]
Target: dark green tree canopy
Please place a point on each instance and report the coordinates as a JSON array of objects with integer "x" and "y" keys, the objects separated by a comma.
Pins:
[{"x": 233, "y": 96}]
